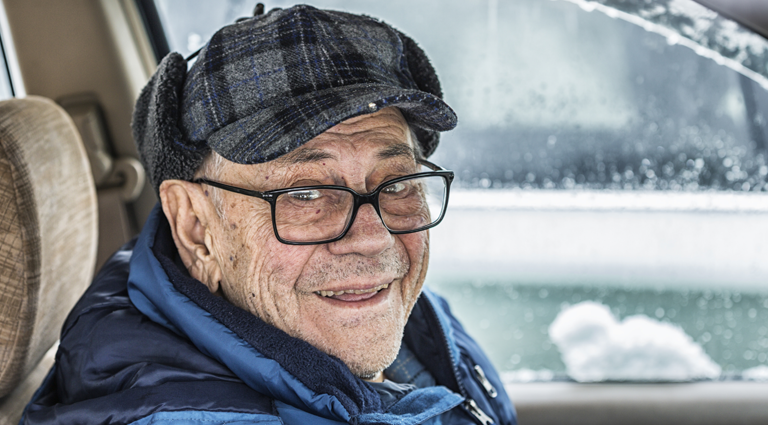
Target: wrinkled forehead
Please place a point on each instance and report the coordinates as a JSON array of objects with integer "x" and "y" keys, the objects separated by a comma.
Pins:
[{"x": 369, "y": 134}]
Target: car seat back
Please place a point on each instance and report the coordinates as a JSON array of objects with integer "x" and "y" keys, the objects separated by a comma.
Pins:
[{"x": 48, "y": 238}]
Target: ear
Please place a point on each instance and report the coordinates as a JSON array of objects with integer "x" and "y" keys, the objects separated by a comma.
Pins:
[{"x": 189, "y": 213}]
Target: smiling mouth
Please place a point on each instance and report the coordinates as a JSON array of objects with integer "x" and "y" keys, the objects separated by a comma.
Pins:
[{"x": 353, "y": 294}]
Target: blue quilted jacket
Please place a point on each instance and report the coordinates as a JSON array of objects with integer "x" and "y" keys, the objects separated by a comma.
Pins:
[{"x": 148, "y": 344}]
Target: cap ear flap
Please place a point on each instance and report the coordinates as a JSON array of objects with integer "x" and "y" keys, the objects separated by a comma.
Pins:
[
  {"x": 162, "y": 147},
  {"x": 424, "y": 75}
]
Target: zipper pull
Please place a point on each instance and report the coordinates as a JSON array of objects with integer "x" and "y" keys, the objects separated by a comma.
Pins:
[
  {"x": 485, "y": 382},
  {"x": 475, "y": 411}
]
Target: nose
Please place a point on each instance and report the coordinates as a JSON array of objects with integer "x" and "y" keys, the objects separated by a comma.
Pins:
[{"x": 367, "y": 236}]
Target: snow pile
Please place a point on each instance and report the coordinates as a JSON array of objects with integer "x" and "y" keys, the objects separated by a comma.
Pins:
[
  {"x": 596, "y": 347},
  {"x": 758, "y": 373}
]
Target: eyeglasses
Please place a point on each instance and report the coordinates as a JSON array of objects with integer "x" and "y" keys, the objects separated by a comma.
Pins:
[{"x": 320, "y": 214}]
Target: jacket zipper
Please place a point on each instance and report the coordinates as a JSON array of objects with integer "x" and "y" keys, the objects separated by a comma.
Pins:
[
  {"x": 469, "y": 405},
  {"x": 472, "y": 407},
  {"x": 489, "y": 388}
]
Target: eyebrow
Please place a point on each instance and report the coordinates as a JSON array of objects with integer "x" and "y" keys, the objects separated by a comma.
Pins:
[
  {"x": 307, "y": 155},
  {"x": 302, "y": 156},
  {"x": 396, "y": 150}
]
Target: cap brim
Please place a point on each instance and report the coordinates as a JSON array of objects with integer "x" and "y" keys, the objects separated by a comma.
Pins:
[{"x": 289, "y": 123}]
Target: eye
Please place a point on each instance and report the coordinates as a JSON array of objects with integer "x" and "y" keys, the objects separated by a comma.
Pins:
[
  {"x": 305, "y": 195},
  {"x": 395, "y": 188}
]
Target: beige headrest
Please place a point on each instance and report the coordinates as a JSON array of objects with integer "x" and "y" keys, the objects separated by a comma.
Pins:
[{"x": 48, "y": 230}]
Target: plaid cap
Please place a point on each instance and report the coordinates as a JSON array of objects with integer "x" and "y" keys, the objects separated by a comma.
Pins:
[{"x": 267, "y": 85}]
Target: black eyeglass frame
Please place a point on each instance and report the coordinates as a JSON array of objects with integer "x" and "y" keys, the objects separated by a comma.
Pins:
[{"x": 359, "y": 199}]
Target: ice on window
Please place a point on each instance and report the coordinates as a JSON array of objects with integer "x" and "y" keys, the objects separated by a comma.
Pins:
[
  {"x": 595, "y": 346},
  {"x": 697, "y": 27}
]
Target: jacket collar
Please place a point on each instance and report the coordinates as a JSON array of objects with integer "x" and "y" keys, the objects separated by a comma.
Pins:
[{"x": 269, "y": 360}]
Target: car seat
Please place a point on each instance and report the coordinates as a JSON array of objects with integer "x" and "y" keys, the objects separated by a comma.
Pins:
[{"x": 48, "y": 241}]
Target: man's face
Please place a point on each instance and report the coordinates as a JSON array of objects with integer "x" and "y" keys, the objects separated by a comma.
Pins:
[{"x": 381, "y": 274}]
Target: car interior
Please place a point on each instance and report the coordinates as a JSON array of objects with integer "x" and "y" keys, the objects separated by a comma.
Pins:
[{"x": 72, "y": 191}]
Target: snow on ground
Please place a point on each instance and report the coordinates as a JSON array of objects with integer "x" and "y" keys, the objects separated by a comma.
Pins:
[
  {"x": 526, "y": 375},
  {"x": 575, "y": 238},
  {"x": 595, "y": 347},
  {"x": 758, "y": 373}
]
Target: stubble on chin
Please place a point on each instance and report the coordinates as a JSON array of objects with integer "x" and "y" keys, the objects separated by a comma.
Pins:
[{"x": 366, "y": 343}]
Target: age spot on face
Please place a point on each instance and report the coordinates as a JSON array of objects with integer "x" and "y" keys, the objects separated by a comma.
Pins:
[
  {"x": 206, "y": 193},
  {"x": 232, "y": 226}
]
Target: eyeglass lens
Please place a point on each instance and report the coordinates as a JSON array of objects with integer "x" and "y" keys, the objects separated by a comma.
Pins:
[{"x": 322, "y": 214}]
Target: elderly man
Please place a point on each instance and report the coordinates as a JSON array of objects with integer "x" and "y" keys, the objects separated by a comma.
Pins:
[{"x": 280, "y": 280}]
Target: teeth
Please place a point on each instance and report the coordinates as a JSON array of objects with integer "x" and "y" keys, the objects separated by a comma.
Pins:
[{"x": 352, "y": 291}]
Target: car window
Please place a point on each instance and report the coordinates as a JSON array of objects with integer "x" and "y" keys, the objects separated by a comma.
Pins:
[
  {"x": 611, "y": 180},
  {"x": 6, "y": 90}
]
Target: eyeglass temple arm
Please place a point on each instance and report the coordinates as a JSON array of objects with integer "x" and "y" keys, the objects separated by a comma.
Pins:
[
  {"x": 235, "y": 189},
  {"x": 431, "y": 165}
]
